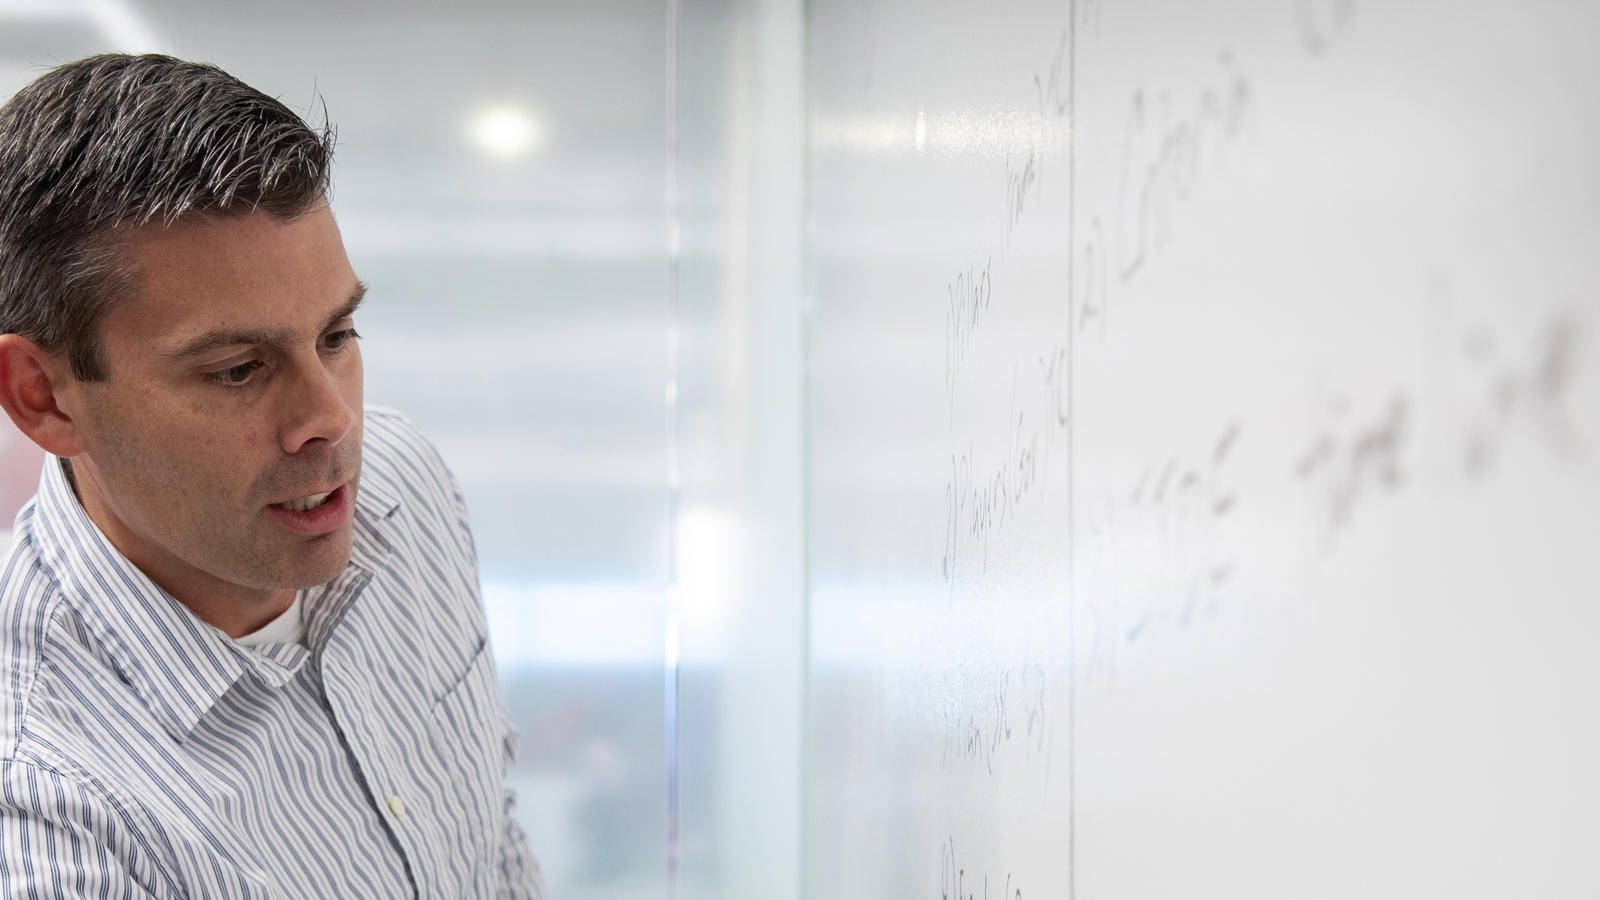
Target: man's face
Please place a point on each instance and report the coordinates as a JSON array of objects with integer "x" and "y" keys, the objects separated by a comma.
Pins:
[{"x": 233, "y": 389}]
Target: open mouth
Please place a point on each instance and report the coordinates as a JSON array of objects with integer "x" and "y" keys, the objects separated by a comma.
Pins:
[
  {"x": 314, "y": 514},
  {"x": 305, "y": 504}
]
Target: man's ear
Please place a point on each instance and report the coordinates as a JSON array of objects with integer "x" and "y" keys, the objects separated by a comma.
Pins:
[{"x": 30, "y": 387}]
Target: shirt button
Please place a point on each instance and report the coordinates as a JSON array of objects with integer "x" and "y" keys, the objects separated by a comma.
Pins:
[{"x": 397, "y": 806}]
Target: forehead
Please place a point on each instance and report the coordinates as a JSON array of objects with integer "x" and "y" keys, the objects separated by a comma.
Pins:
[{"x": 245, "y": 271}]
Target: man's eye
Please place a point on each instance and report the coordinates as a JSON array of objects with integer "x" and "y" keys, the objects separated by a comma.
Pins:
[
  {"x": 339, "y": 338},
  {"x": 236, "y": 375}
]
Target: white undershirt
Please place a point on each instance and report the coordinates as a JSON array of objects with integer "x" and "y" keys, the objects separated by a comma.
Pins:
[{"x": 288, "y": 628}]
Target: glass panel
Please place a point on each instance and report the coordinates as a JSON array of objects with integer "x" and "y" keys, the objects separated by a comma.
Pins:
[
  {"x": 937, "y": 496},
  {"x": 1204, "y": 506},
  {"x": 739, "y": 562}
]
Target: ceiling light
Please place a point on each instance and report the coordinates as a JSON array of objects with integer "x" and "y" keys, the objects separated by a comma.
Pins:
[{"x": 505, "y": 132}]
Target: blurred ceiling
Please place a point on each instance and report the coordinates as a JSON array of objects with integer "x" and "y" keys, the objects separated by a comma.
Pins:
[{"x": 519, "y": 309}]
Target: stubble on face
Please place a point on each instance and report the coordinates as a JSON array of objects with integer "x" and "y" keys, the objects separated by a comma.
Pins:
[{"x": 189, "y": 506}]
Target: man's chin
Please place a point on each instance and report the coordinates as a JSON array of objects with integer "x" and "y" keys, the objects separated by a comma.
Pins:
[{"x": 319, "y": 560}]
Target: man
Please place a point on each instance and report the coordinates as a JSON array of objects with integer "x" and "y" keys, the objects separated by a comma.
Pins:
[{"x": 244, "y": 649}]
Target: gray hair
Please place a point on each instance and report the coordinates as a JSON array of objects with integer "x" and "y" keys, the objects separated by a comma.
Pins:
[{"x": 97, "y": 147}]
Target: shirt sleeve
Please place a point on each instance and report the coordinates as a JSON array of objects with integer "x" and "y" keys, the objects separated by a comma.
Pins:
[
  {"x": 60, "y": 840},
  {"x": 520, "y": 878}
]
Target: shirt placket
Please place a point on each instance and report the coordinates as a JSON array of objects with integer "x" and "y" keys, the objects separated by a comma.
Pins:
[{"x": 362, "y": 738}]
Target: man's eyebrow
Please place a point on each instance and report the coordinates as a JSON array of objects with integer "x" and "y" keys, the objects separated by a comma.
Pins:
[
  {"x": 213, "y": 340},
  {"x": 350, "y": 306}
]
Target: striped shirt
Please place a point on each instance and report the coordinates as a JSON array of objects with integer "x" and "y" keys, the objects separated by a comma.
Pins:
[{"x": 144, "y": 754}]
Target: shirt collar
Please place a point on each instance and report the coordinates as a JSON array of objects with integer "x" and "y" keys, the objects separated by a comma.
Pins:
[
  {"x": 369, "y": 552},
  {"x": 176, "y": 663}
]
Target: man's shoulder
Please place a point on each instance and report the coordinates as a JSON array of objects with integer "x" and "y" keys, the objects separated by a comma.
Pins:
[
  {"x": 396, "y": 451},
  {"x": 32, "y": 615},
  {"x": 411, "y": 495},
  {"x": 401, "y": 465},
  {"x": 387, "y": 425}
]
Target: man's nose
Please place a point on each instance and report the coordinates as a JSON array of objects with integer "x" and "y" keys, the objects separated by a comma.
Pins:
[{"x": 316, "y": 410}]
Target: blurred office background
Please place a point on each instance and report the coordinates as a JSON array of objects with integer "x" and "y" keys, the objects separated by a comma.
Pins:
[{"x": 564, "y": 210}]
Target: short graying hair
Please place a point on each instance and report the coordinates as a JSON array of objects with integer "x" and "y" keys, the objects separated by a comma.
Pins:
[{"x": 97, "y": 147}]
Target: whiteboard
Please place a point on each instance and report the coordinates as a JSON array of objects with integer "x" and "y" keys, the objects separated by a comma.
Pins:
[{"x": 1203, "y": 415}]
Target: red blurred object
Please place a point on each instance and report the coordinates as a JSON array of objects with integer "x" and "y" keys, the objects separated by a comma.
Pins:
[{"x": 20, "y": 460}]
